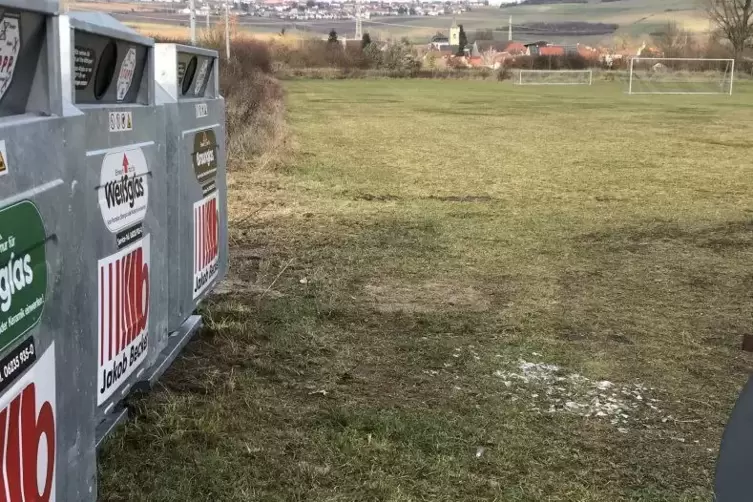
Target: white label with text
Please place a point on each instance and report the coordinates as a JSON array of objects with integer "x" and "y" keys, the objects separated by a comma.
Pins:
[{"x": 123, "y": 188}]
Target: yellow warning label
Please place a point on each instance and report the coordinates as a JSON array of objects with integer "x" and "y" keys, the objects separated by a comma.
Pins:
[{"x": 3, "y": 158}]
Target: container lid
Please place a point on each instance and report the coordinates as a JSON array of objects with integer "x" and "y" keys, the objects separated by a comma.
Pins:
[
  {"x": 27, "y": 76},
  {"x": 111, "y": 61},
  {"x": 187, "y": 72}
]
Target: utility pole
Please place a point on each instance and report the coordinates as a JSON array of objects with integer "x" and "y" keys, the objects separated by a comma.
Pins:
[
  {"x": 208, "y": 25},
  {"x": 227, "y": 29},
  {"x": 509, "y": 29},
  {"x": 192, "y": 15},
  {"x": 359, "y": 23}
]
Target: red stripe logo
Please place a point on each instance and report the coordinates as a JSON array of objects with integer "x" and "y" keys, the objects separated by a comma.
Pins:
[
  {"x": 123, "y": 314},
  {"x": 28, "y": 435},
  {"x": 206, "y": 243}
]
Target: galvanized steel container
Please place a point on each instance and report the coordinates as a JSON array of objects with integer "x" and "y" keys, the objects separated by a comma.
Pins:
[
  {"x": 46, "y": 390},
  {"x": 125, "y": 202},
  {"x": 188, "y": 88}
]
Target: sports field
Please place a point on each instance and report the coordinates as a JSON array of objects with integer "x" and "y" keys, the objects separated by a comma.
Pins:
[{"x": 467, "y": 291}]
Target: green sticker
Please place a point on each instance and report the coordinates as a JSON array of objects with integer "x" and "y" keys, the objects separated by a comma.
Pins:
[{"x": 23, "y": 270}]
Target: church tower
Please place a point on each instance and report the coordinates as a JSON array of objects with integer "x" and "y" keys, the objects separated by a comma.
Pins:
[{"x": 454, "y": 33}]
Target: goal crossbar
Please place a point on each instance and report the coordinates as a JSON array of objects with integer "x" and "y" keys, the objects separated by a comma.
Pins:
[{"x": 730, "y": 62}]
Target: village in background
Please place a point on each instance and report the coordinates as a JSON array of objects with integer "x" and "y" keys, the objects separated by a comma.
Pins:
[{"x": 443, "y": 34}]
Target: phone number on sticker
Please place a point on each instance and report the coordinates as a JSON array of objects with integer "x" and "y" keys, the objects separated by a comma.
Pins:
[{"x": 12, "y": 366}]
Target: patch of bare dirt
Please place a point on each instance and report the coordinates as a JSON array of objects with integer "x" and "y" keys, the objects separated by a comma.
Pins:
[{"x": 426, "y": 297}]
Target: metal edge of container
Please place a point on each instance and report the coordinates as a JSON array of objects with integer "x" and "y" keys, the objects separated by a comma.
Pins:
[
  {"x": 176, "y": 342},
  {"x": 165, "y": 75},
  {"x": 85, "y": 21},
  {"x": 44, "y": 6},
  {"x": 61, "y": 58},
  {"x": 109, "y": 424},
  {"x": 200, "y": 51}
]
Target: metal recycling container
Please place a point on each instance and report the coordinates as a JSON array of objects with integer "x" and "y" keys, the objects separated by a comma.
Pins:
[
  {"x": 733, "y": 481},
  {"x": 46, "y": 392},
  {"x": 125, "y": 206},
  {"x": 188, "y": 88}
]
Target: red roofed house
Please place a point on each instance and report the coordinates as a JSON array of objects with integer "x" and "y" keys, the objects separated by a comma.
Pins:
[
  {"x": 497, "y": 46},
  {"x": 552, "y": 50},
  {"x": 588, "y": 53},
  {"x": 495, "y": 52}
]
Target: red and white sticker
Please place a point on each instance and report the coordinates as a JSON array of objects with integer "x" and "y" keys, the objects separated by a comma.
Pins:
[
  {"x": 206, "y": 243},
  {"x": 123, "y": 188},
  {"x": 10, "y": 46},
  {"x": 27, "y": 434},
  {"x": 125, "y": 77},
  {"x": 123, "y": 316}
]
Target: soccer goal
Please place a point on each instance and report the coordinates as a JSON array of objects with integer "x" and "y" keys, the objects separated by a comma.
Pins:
[
  {"x": 681, "y": 76},
  {"x": 554, "y": 77}
]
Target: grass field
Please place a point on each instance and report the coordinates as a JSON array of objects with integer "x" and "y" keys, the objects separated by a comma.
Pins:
[{"x": 430, "y": 255}]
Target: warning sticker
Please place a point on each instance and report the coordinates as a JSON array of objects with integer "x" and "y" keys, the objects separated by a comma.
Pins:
[
  {"x": 10, "y": 46},
  {"x": 125, "y": 77},
  {"x": 3, "y": 159},
  {"x": 123, "y": 189},
  {"x": 123, "y": 316},
  {"x": 201, "y": 77},
  {"x": 121, "y": 121}
]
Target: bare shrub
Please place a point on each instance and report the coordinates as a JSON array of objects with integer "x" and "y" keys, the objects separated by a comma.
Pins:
[{"x": 257, "y": 134}]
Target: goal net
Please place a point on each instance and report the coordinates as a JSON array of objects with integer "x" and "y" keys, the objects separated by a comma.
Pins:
[
  {"x": 554, "y": 77},
  {"x": 681, "y": 76}
]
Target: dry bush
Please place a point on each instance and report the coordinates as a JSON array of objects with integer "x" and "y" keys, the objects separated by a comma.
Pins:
[
  {"x": 257, "y": 134},
  {"x": 319, "y": 54},
  {"x": 356, "y": 73},
  {"x": 567, "y": 62}
]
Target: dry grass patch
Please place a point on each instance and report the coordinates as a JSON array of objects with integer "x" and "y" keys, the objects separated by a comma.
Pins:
[{"x": 398, "y": 358}]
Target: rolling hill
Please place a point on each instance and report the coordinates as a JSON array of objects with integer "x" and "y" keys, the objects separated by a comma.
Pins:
[{"x": 633, "y": 18}]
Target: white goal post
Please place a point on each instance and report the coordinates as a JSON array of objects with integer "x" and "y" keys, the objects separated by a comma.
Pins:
[
  {"x": 554, "y": 77},
  {"x": 681, "y": 76}
]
